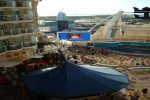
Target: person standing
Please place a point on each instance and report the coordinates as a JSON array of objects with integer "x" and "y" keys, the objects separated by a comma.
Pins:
[
  {"x": 130, "y": 93},
  {"x": 112, "y": 96},
  {"x": 137, "y": 93},
  {"x": 144, "y": 91}
]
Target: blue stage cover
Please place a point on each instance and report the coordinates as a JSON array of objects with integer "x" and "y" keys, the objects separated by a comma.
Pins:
[{"x": 70, "y": 81}]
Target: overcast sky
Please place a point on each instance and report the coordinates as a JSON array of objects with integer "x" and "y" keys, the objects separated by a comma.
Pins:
[{"x": 88, "y": 7}]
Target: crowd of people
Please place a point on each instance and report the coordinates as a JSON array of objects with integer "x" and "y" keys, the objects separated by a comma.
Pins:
[
  {"x": 52, "y": 58},
  {"x": 100, "y": 55},
  {"x": 11, "y": 74}
]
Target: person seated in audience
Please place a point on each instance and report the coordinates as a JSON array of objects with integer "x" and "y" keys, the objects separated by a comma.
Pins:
[
  {"x": 144, "y": 91},
  {"x": 36, "y": 67},
  {"x": 30, "y": 69}
]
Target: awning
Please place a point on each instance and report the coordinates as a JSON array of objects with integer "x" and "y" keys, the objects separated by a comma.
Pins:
[
  {"x": 69, "y": 80},
  {"x": 14, "y": 61}
]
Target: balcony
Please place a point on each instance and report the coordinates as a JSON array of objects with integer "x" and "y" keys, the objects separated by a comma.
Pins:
[
  {"x": 30, "y": 29},
  {"x": 22, "y": 17},
  {"x": 3, "y": 4},
  {"x": 30, "y": 16},
  {"x": 4, "y": 18},
  {"x": 24, "y": 30},
  {"x": 1, "y": 33},
  {"x": 14, "y": 47},
  {"x": 3, "y": 49},
  {"x": 20, "y": 4},
  {"x": 16, "y": 31},
  {"x": 12, "y": 32},
  {"x": 27, "y": 30},
  {"x": 6, "y": 3},
  {"x": 14, "y": 3},
  {"x": 24, "y": 3},
  {"x": 7, "y": 32},
  {"x": 29, "y": 44}
]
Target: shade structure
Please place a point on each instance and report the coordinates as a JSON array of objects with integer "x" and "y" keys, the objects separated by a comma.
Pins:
[{"x": 70, "y": 81}]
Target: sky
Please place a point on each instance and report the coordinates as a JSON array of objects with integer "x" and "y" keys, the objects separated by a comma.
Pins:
[{"x": 88, "y": 7}]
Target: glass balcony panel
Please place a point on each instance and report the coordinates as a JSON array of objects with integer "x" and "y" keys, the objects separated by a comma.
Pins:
[
  {"x": 22, "y": 17},
  {"x": 8, "y": 18},
  {"x": 3, "y": 4},
  {"x": 14, "y": 18},
  {"x": 30, "y": 29},
  {"x": 32, "y": 43},
  {"x": 16, "y": 31},
  {"x": 14, "y": 47},
  {"x": 30, "y": 17},
  {"x": 3, "y": 49},
  {"x": 19, "y": 4},
  {"x": 28, "y": 3},
  {"x": 7, "y": 32},
  {"x": 11, "y": 3},
  {"x": 24, "y": 30},
  {"x": 24, "y": 3},
  {"x": 28, "y": 44},
  {"x": 4, "y": 18},
  {"x": 1, "y": 33}
]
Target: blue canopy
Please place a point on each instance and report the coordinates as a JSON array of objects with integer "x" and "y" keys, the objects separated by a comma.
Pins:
[{"x": 70, "y": 81}]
